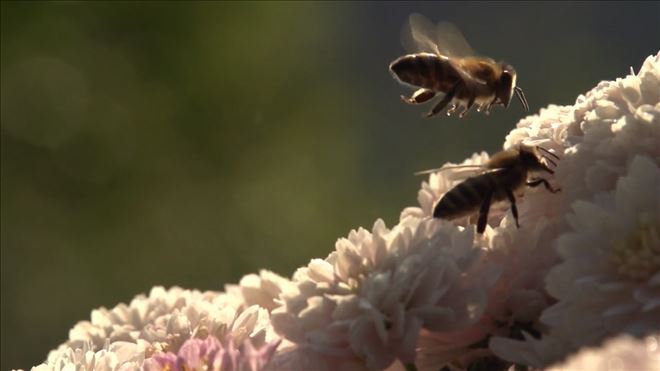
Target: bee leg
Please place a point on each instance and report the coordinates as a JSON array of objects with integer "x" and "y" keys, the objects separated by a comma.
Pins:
[
  {"x": 487, "y": 111},
  {"x": 514, "y": 208},
  {"x": 536, "y": 182},
  {"x": 443, "y": 102},
  {"x": 420, "y": 96},
  {"x": 483, "y": 213},
  {"x": 467, "y": 108}
]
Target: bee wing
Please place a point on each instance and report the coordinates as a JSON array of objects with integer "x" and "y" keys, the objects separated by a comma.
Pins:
[
  {"x": 419, "y": 34},
  {"x": 462, "y": 172},
  {"x": 451, "y": 41},
  {"x": 456, "y": 169},
  {"x": 445, "y": 39}
]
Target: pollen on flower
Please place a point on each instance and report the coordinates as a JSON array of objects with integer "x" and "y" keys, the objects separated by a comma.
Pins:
[{"x": 638, "y": 255}]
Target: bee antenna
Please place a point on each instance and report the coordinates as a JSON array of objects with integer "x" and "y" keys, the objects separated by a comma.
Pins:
[
  {"x": 521, "y": 97},
  {"x": 548, "y": 152}
]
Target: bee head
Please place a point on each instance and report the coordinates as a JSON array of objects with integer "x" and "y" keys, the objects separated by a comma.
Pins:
[{"x": 506, "y": 85}]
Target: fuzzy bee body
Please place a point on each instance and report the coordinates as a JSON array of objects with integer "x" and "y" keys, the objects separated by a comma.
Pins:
[
  {"x": 467, "y": 197},
  {"x": 425, "y": 70},
  {"x": 447, "y": 65},
  {"x": 505, "y": 173},
  {"x": 438, "y": 75}
]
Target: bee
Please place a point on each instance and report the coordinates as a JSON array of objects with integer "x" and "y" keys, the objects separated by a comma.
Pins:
[
  {"x": 443, "y": 62},
  {"x": 498, "y": 179}
]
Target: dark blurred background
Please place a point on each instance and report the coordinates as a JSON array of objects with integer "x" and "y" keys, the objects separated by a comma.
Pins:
[{"x": 183, "y": 143}]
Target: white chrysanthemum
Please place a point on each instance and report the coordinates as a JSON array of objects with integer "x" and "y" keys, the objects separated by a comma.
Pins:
[
  {"x": 548, "y": 128},
  {"x": 369, "y": 299},
  {"x": 619, "y": 354},
  {"x": 515, "y": 299},
  {"x": 118, "y": 356},
  {"x": 607, "y": 128},
  {"x": 596, "y": 138},
  {"x": 166, "y": 319},
  {"x": 263, "y": 289},
  {"x": 291, "y": 356},
  {"x": 525, "y": 255},
  {"x": 609, "y": 280}
]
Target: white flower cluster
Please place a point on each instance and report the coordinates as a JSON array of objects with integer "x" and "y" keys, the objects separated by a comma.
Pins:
[
  {"x": 620, "y": 353},
  {"x": 428, "y": 294},
  {"x": 124, "y": 336},
  {"x": 165, "y": 319},
  {"x": 607, "y": 281},
  {"x": 370, "y": 298},
  {"x": 119, "y": 355}
]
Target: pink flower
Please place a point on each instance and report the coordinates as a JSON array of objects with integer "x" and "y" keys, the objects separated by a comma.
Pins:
[
  {"x": 210, "y": 354},
  {"x": 162, "y": 322}
]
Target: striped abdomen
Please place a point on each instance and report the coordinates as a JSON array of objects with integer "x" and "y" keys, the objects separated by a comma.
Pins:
[
  {"x": 425, "y": 70},
  {"x": 466, "y": 198}
]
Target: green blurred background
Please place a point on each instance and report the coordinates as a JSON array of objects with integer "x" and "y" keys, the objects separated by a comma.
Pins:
[{"x": 183, "y": 143}]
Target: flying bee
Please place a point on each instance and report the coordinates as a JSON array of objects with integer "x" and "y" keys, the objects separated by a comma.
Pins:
[
  {"x": 443, "y": 62},
  {"x": 498, "y": 179}
]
